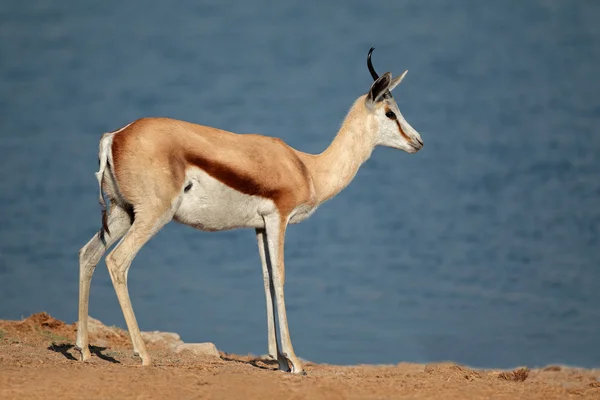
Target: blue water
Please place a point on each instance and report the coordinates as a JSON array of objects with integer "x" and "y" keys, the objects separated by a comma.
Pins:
[{"x": 483, "y": 248}]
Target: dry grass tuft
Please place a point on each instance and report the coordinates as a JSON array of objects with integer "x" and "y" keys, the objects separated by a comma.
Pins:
[
  {"x": 553, "y": 368},
  {"x": 518, "y": 375}
]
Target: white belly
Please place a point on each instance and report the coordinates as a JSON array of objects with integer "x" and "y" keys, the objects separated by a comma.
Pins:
[{"x": 213, "y": 206}]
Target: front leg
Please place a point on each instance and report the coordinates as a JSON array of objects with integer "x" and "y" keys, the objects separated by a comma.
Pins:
[
  {"x": 275, "y": 226},
  {"x": 274, "y": 352}
]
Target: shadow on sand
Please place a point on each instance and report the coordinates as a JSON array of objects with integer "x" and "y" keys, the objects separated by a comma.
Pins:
[{"x": 63, "y": 348}]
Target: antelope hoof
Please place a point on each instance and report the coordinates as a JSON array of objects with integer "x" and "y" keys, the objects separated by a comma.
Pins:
[
  {"x": 84, "y": 354},
  {"x": 146, "y": 360},
  {"x": 295, "y": 363},
  {"x": 298, "y": 371}
]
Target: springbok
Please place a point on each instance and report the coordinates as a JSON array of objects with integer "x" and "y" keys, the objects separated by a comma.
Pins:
[{"x": 157, "y": 169}]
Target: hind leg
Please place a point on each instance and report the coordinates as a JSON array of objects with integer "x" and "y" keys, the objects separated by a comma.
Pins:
[
  {"x": 146, "y": 224},
  {"x": 119, "y": 222}
]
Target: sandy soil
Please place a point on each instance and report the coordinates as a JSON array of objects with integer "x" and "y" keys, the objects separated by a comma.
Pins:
[{"x": 37, "y": 360}]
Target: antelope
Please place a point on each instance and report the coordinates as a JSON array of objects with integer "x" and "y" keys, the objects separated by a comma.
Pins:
[{"x": 155, "y": 170}]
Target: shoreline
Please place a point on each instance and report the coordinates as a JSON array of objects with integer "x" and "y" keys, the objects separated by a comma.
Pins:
[{"x": 38, "y": 360}]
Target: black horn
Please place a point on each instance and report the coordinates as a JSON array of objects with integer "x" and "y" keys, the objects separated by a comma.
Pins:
[
  {"x": 387, "y": 94},
  {"x": 370, "y": 65}
]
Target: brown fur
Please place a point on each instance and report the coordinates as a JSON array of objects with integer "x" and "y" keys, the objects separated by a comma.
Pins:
[
  {"x": 151, "y": 156},
  {"x": 334, "y": 168}
]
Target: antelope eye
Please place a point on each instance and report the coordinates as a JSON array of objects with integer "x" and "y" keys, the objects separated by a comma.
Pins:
[{"x": 390, "y": 115}]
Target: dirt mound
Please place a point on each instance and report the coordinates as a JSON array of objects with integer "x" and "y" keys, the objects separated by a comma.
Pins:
[
  {"x": 44, "y": 320},
  {"x": 447, "y": 371},
  {"x": 37, "y": 326}
]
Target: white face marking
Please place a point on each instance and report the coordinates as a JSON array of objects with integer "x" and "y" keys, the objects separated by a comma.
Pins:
[
  {"x": 389, "y": 133},
  {"x": 385, "y": 117},
  {"x": 213, "y": 206}
]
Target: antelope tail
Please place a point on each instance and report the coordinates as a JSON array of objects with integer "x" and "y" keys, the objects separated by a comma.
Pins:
[{"x": 103, "y": 161}]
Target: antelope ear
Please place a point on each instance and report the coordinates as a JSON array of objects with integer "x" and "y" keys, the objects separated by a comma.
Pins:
[
  {"x": 379, "y": 88},
  {"x": 396, "y": 81}
]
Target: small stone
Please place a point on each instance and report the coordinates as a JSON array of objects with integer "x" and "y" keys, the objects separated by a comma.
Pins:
[
  {"x": 199, "y": 349},
  {"x": 96, "y": 327},
  {"x": 169, "y": 339},
  {"x": 101, "y": 343}
]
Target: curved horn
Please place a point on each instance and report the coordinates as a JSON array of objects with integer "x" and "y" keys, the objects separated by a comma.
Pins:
[{"x": 370, "y": 65}]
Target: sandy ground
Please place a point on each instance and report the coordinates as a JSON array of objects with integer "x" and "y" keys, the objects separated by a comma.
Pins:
[{"x": 37, "y": 360}]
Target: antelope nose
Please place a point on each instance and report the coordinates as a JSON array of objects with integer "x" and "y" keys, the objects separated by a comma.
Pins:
[{"x": 419, "y": 141}]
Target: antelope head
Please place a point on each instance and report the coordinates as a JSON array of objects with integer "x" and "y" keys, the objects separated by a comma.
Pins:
[{"x": 392, "y": 130}]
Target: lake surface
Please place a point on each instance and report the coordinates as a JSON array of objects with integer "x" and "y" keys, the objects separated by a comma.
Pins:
[{"x": 483, "y": 248}]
